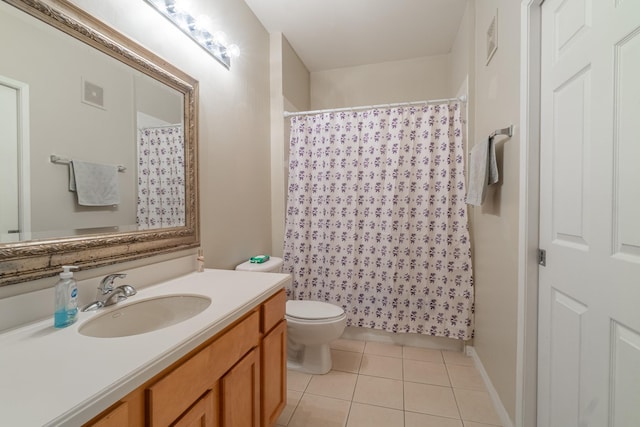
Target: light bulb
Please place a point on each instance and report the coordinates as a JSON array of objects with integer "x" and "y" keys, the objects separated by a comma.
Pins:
[
  {"x": 220, "y": 38},
  {"x": 181, "y": 6},
  {"x": 233, "y": 51},
  {"x": 203, "y": 23}
]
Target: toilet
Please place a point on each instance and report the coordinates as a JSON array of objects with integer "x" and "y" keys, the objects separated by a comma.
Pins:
[{"x": 311, "y": 326}]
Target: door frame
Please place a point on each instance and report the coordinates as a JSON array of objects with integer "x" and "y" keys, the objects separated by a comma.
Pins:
[
  {"x": 24, "y": 169},
  {"x": 529, "y": 218}
]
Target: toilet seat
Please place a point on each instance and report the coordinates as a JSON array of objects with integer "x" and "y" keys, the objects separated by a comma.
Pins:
[{"x": 313, "y": 311}]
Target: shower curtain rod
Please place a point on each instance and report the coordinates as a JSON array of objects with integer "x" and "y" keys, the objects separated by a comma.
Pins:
[{"x": 367, "y": 107}]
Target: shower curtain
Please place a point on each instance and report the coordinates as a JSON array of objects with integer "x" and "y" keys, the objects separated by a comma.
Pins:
[
  {"x": 160, "y": 178},
  {"x": 376, "y": 220}
]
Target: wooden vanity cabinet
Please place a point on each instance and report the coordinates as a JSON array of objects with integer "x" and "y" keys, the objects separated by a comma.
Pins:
[{"x": 237, "y": 379}]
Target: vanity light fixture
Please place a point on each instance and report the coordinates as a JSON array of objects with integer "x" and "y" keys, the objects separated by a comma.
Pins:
[{"x": 198, "y": 28}]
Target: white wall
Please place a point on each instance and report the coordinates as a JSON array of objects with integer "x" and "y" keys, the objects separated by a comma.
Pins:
[
  {"x": 463, "y": 65},
  {"x": 463, "y": 50},
  {"x": 296, "y": 80},
  {"x": 388, "y": 82},
  {"x": 157, "y": 100},
  {"x": 290, "y": 91},
  {"x": 495, "y": 224}
]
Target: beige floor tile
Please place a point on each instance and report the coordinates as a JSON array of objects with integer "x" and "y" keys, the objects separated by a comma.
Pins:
[
  {"x": 335, "y": 384},
  {"x": 476, "y": 406},
  {"x": 383, "y": 349},
  {"x": 474, "y": 424},
  {"x": 362, "y": 415},
  {"x": 320, "y": 411},
  {"x": 379, "y": 392},
  {"x": 457, "y": 358},
  {"x": 440, "y": 389},
  {"x": 348, "y": 345},
  {"x": 412, "y": 419},
  {"x": 425, "y": 372},
  {"x": 465, "y": 377},
  {"x": 297, "y": 381},
  {"x": 346, "y": 361},
  {"x": 423, "y": 354},
  {"x": 293, "y": 397},
  {"x": 430, "y": 399},
  {"x": 381, "y": 366}
]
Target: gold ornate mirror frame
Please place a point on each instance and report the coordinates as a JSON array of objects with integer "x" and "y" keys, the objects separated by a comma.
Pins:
[{"x": 29, "y": 260}]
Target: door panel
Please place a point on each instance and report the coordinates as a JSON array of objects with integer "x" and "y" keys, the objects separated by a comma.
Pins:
[
  {"x": 566, "y": 346},
  {"x": 625, "y": 377},
  {"x": 589, "y": 321},
  {"x": 570, "y": 154},
  {"x": 627, "y": 129}
]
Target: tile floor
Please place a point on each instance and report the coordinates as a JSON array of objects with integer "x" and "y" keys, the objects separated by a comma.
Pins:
[{"x": 383, "y": 385}]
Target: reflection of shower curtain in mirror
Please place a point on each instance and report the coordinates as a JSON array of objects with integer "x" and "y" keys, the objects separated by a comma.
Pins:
[
  {"x": 376, "y": 218},
  {"x": 161, "y": 189}
]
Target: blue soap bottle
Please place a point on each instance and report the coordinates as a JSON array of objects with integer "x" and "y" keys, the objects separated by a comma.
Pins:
[{"x": 66, "y": 304}]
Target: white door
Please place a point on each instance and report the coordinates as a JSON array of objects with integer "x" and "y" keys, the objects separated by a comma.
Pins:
[
  {"x": 9, "y": 222},
  {"x": 589, "y": 306},
  {"x": 15, "y": 187}
]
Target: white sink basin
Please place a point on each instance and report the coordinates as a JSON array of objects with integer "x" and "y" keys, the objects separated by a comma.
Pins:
[{"x": 145, "y": 316}]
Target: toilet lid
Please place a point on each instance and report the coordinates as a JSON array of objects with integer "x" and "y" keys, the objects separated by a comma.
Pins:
[{"x": 313, "y": 310}]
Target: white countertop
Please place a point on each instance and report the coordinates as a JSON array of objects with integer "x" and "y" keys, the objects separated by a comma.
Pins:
[{"x": 57, "y": 377}]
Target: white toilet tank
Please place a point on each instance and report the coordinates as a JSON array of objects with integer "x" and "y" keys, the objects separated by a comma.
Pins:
[{"x": 274, "y": 265}]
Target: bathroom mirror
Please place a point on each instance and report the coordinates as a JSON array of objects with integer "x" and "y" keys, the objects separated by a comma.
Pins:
[{"x": 72, "y": 88}]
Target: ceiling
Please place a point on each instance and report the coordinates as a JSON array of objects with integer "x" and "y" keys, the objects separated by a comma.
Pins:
[{"x": 330, "y": 34}]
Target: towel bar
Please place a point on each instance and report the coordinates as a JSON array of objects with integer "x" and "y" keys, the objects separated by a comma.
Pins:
[
  {"x": 62, "y": 161},
  {"x": 504, "y": 131}
]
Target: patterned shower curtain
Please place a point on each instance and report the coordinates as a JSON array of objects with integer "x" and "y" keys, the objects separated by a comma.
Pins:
[
  {"x": 161, "y": 192},
  {"x": 376, "y": 220}
]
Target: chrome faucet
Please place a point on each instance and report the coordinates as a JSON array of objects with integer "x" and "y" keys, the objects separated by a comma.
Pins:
[
  {"x": 106, "y": 284},
  {"x": 108, "y": 295}
]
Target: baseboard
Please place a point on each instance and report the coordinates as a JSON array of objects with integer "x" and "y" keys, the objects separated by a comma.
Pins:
[{"x": 497, "y": 403}]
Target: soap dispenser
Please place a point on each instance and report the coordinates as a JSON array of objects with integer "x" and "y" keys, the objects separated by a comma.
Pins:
[{"x": 66, "y": 305}]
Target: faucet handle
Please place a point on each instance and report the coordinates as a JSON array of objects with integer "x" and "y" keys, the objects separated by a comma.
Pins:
[
  {"x": 106, "y": 284},
  {"x": 128, "y": 290}
]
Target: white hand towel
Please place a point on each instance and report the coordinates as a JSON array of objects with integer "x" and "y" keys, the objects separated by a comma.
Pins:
[
  {"x": 96, "y": 184},
  {"x": 483, "y": 170}
]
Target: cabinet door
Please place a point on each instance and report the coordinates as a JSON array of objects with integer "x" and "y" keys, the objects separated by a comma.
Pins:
[
  {"x": 204, "y": 413},
  {"x": 241, "y": 393},
  {"x": 273, "y": 370}
]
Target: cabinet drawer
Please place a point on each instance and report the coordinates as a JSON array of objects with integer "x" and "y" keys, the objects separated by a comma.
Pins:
[
  {"x": 178, "y": 390},
  {"x": 272, "y": 311}
]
